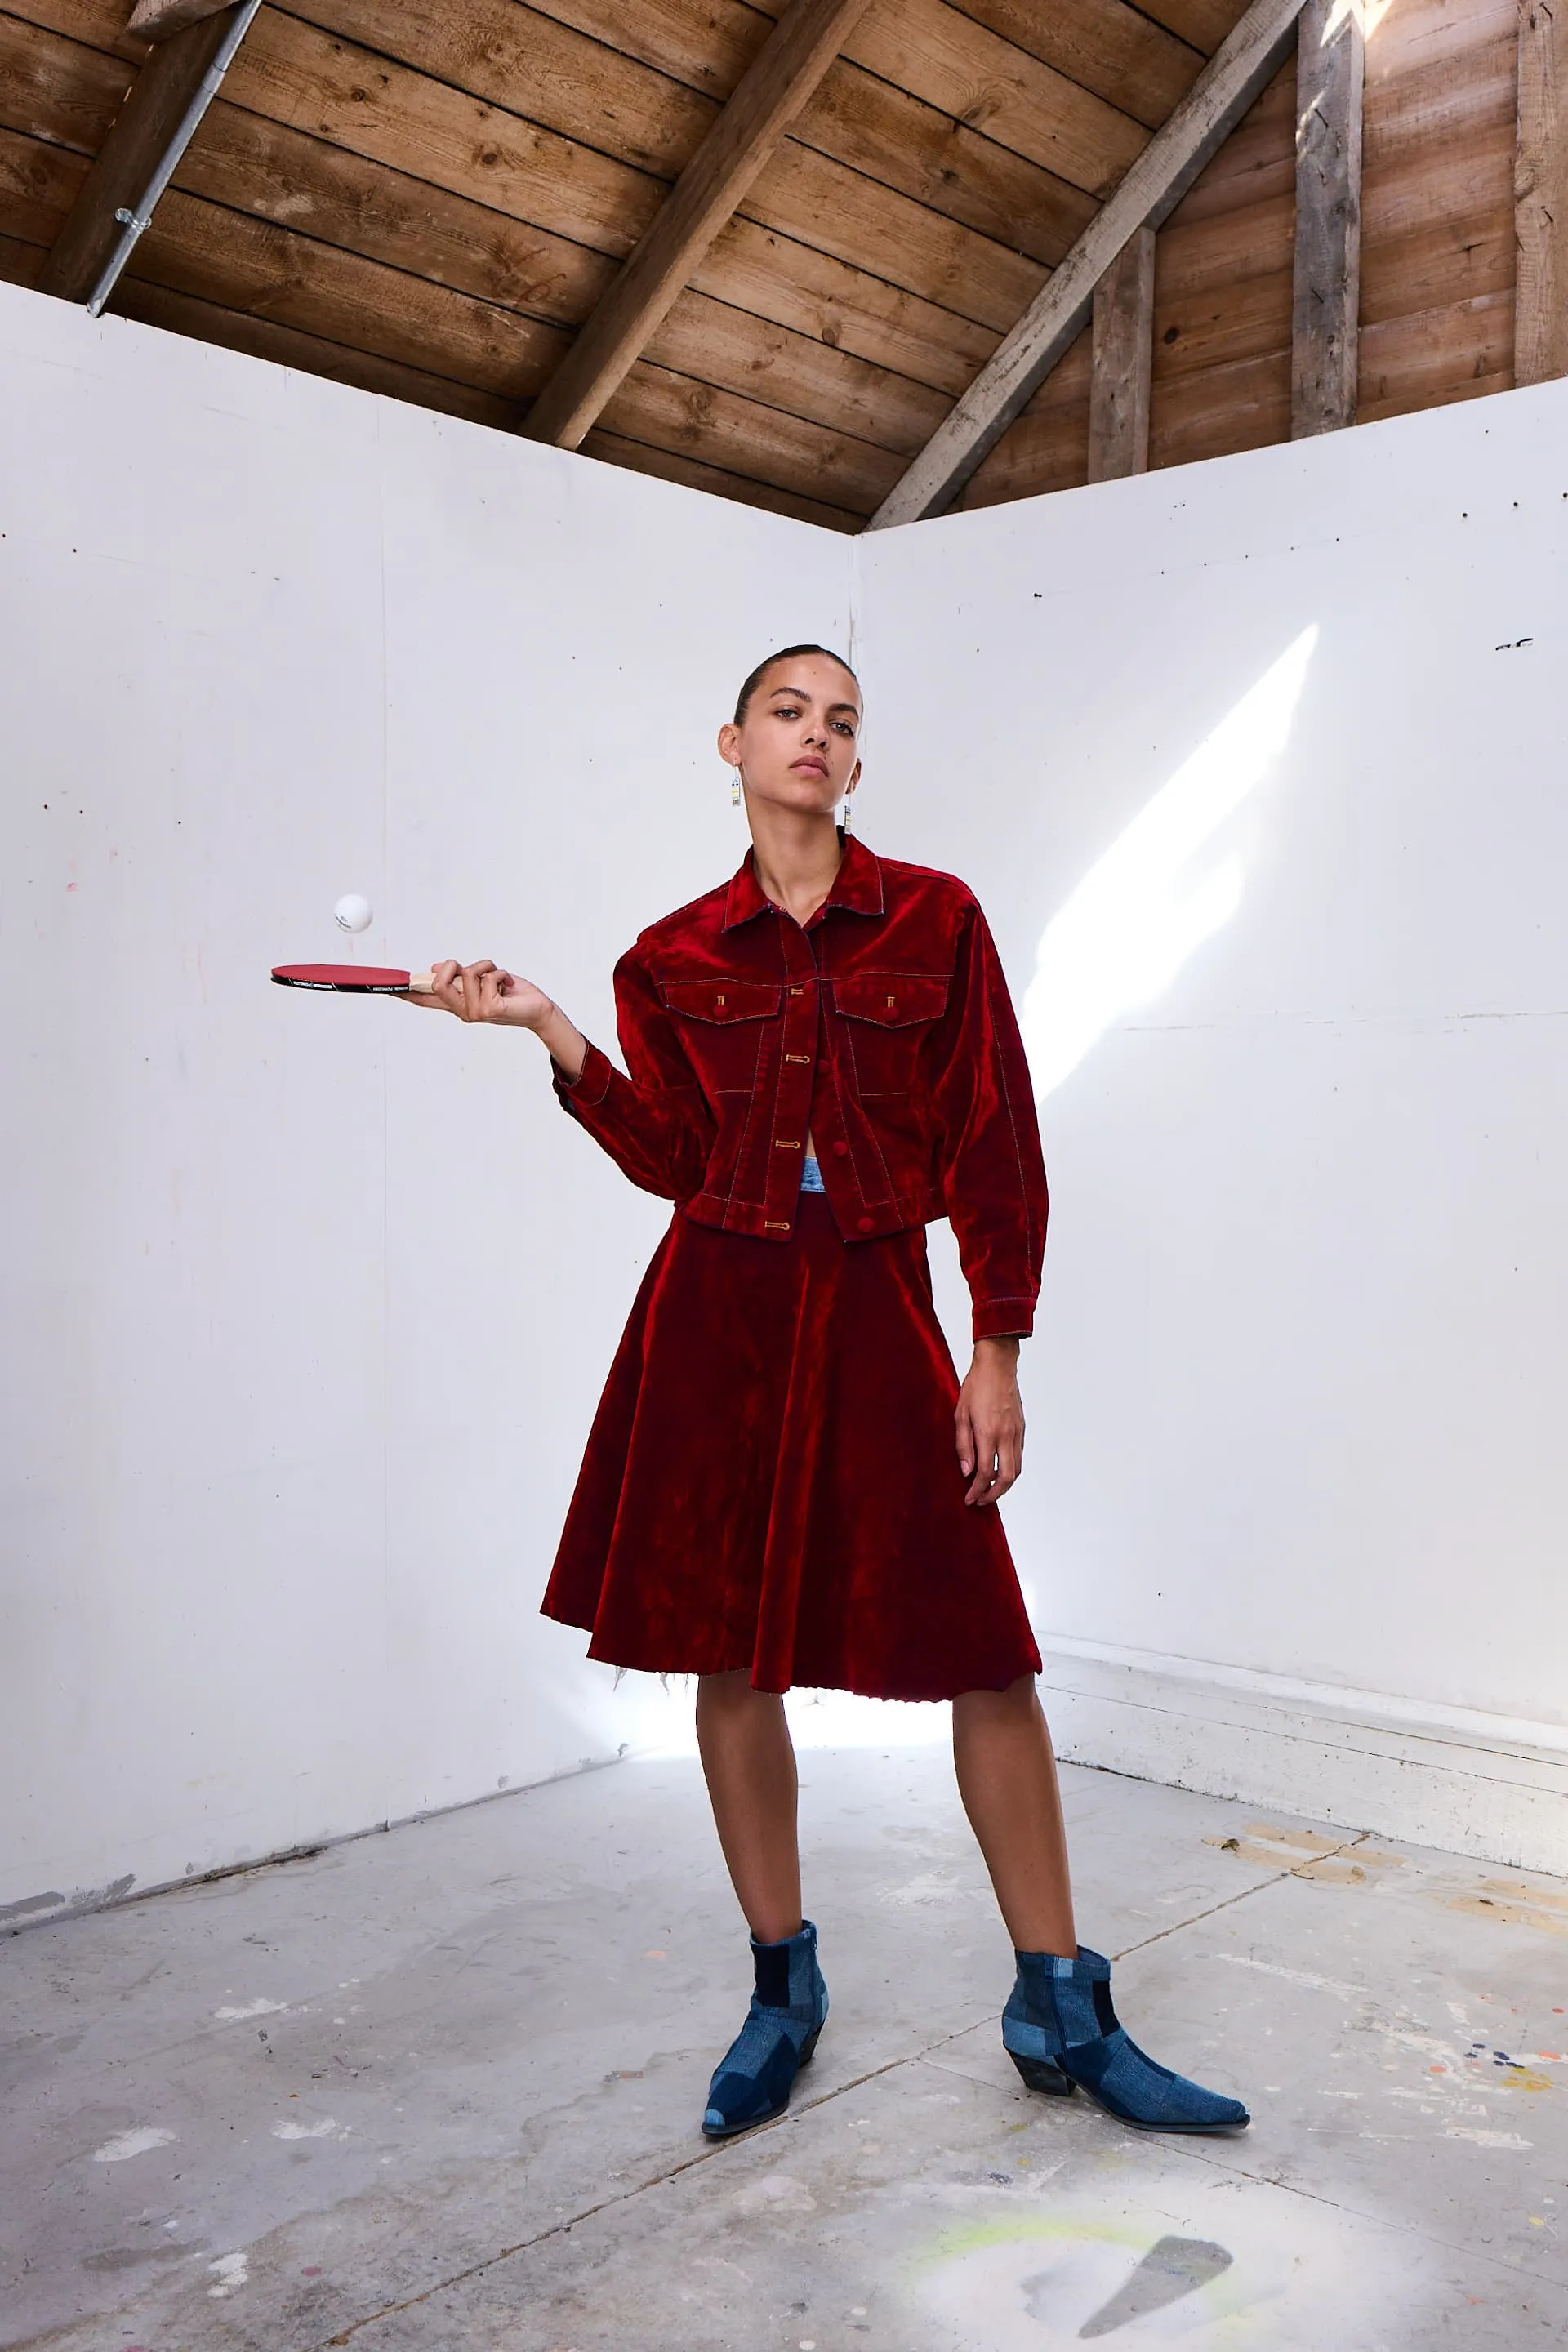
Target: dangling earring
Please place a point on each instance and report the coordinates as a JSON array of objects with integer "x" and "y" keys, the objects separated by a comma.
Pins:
[
  {"x": 734, "y": 788},
  {"x": 849, "y": 813}
]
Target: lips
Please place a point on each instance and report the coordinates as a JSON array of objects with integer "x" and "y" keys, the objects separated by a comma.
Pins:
[{"x": 809, "y": 767}]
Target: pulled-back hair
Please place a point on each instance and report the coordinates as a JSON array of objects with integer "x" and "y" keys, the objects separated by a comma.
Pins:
[{"x": 784, "y": 653}]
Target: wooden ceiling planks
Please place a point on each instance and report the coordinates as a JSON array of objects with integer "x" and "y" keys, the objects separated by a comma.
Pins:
[
  {"x": 446, "y": 189},
  {"x": 1122, "y": 54},
  {"x": 1222, "y": 292},
  {"x": 267, "y": 339},
  {"x": 1437, "y": 189},
  {"x": 1437, "y": 254},
  {"x": 774, "y": 90},
  {"x": 429, "y": 200}
]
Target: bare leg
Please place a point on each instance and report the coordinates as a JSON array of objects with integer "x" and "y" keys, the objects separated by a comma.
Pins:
[
  {"x": 1007, "y": 1779},
  {"x": 749, "y": 1760}
]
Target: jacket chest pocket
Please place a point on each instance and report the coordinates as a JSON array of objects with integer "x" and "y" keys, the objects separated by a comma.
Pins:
[
  {"x": 888, "y": 1016},
  {"x": 723, "y": 1026}
]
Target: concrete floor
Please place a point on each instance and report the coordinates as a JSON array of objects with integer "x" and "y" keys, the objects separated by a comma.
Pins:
[{"x": 439, "y": 2089}]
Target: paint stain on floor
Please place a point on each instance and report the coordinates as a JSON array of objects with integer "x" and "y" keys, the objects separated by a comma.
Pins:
[
  {"x": 1307, "y": 1854},
  {"x": 1166, "y": 2257},
  {"x": 1509, "y": 1903}
]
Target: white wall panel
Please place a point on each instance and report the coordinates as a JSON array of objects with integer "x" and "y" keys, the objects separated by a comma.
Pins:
[
  {"x": 306, "y": 1302},
  {"x": 1296, "y": 1398}
]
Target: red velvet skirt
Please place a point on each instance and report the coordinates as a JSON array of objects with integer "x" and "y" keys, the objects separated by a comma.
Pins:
[{"x": 771, "y": 1480}]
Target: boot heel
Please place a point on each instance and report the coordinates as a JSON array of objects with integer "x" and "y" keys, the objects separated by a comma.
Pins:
[
  {"x": 1039, "y": 2074},
  {"x": 808, "y": 2047}
]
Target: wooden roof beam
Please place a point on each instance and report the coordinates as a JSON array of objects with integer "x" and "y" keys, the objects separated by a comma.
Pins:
[
  {"x": 156, "y": 20},
  {"x": 766, "y": 99},
  {"x": 141, "y": 155},
  {"x": 1149, "y": 191}
]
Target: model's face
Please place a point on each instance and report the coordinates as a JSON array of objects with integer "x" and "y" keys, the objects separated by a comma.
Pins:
[{"x": 798, "y": 746}]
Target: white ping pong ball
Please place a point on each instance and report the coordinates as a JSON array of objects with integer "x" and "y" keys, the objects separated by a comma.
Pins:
[{"x": 353, "y": 913}]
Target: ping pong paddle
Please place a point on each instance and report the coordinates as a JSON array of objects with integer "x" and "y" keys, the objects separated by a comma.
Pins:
[{"x": 351, "y": 979}]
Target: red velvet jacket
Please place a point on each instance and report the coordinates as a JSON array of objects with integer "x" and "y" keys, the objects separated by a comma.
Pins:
[{"x": 882, "y": 1028}]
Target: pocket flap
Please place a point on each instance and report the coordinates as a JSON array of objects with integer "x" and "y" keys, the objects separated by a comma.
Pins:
[
  {"x": 894, "y": 1000},
  {"x": 722, "y": 1000}
]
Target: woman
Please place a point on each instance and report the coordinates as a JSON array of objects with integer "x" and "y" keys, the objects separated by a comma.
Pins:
[{"x": 823, "y": 1058}]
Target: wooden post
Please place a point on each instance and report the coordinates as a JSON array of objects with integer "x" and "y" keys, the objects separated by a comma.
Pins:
[
  {"x": 1122, "y": 351},
  {"x": 1326, "y": 299},
  {"x": 1540, "y": 196},
  {"x": 1148, "y": 192}
]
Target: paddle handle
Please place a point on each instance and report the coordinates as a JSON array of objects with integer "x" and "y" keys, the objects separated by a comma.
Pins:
[{"x": 421, "y": 983}]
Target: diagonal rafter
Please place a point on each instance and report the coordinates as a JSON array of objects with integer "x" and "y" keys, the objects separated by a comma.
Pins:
[
  {"x": 149, "y": 135},
  {"x": 1148, "y": 192},
  {"x": 767, "y": 99},
  {"x": 158, "y": 20}
]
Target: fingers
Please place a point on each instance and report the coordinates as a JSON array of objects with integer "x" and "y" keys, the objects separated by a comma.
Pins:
[
  {"x": 1009, "y": 1457},
  {"x": 446, "y": 989},
  {"x": 474, "y": 992},
  {"x": 498, "y": 988},
  {"x": 976, "y": 1450},
  {"x": 996, "y": 1455},
  {"x": 473, "y": 984}
]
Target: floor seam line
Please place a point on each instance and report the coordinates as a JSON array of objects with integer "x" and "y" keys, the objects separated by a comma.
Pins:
[
  {"x": 608, "y": 2204},
  {"x": 873, "y": 2074},
  {"x": 1378, "y": 2221},
  {"x": 1293, "y": 1870}
]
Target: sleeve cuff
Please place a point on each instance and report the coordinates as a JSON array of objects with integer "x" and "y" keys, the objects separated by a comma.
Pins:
[
  {"x": 591, "y": 1085},
  {"x": 1004, "y": 1319}
]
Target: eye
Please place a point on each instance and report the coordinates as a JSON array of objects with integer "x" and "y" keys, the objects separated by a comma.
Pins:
[
  {"x": 787, "y": 710},
  {"x": 844, "y": 725}
]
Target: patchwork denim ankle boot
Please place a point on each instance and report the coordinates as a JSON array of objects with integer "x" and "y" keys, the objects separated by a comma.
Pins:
[
  {"x": 1062, "y": 2034},
  {"x": 756, "y": 2073}
]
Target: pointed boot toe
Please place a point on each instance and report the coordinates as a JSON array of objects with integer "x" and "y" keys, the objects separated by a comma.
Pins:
[{"x": 1062, "y": 2033}]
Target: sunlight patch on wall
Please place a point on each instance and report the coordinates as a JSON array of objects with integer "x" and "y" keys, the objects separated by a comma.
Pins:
[{"x": 1137, "y": 915}]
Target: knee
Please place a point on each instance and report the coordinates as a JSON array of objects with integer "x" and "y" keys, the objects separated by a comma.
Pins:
[
  {"x": 732, "y": 1695},
  {"x": 1019, "y": 1703}
]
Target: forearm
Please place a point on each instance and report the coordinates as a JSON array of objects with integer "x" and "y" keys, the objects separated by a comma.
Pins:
[{"x": 567, "y": 1046}]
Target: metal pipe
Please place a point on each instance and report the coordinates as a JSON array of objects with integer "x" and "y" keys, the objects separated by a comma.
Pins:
[{"x": 134, "y": 218}]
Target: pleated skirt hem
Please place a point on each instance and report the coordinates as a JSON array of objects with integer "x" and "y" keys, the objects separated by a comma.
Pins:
[{"x": 771, "y": 1482}]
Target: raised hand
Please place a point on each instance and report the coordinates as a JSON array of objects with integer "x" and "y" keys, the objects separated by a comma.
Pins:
[{"x": 483, "y": 992}]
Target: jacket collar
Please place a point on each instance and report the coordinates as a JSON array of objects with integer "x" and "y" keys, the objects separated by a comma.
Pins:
[{"x": 857, "y": 885}]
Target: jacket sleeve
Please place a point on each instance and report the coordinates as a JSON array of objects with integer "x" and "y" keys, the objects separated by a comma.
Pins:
[
  {"x": 655, "y": 1124},
  {"x": 993, "y": 1174}
]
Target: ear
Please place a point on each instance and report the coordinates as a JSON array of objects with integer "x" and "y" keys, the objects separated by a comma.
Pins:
[
  {"x": 729, "y": 744},
  {"x": 854, "y": 777}
]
